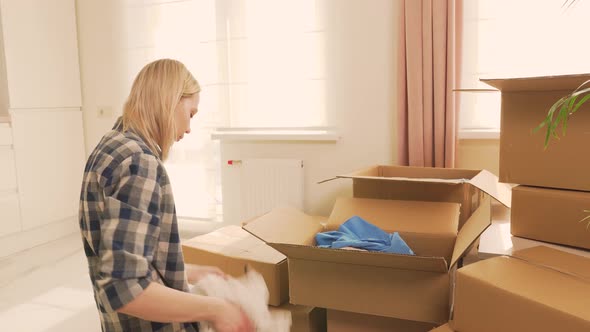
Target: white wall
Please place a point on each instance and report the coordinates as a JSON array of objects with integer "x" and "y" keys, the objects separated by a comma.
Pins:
[
  {"x": 360, "y": 88},
  {"x": 360, "y": 85},
  {"x": 103, "y": 64},
  {"x": 479, "y": 154},
  {"x": 40, "y": 90}
]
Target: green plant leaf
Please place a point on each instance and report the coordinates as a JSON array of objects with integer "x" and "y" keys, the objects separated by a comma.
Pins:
[
  {"x": 580, "y": 103},
  {"x": 565, "y": 106},
  {"x": 586, "y": 218}
]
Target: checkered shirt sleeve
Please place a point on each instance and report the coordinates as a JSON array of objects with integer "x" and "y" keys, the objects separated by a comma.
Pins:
[{"x": 129, "y": 229}]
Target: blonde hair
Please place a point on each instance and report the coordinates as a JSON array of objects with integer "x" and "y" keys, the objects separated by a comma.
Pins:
[{"x": 149, "y": 109}]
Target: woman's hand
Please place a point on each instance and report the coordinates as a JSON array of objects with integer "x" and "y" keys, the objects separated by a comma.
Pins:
[
  {"x": 230, "y": 318},
  {"x": 194, "y": 273}
]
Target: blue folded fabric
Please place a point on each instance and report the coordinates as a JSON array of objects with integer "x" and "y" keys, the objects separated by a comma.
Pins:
[{"x": 358, "y": 233}]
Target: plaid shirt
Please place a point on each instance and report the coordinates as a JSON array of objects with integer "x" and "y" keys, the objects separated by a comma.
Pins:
[{"x": 129, "y": 229}]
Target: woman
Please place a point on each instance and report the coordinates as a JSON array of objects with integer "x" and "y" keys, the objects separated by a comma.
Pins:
[{"x": 128, "y": 218}]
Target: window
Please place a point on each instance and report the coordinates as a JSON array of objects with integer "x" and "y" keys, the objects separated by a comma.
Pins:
[
  {"x": 274, "y": 70},
  {"x": 259, "y": 62},
  {"x": 507, "y": 38}
]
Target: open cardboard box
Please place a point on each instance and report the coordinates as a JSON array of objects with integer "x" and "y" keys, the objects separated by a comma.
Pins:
[
  {"x": 415, "y": 288},
  {"x": 536, "y": 289},
  {"x": 234, "y": 250},
  {"x": 383, "y": 284},
  {"x": 523, "y": 157},
  {"x": 464, "y": 186}
]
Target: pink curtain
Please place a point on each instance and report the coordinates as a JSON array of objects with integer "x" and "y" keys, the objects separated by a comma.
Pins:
[{"x": 427, "y": 116}]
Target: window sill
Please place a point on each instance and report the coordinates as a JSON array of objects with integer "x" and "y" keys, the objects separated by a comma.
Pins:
[
  {"x": 479, "y": 134},
  {"x": 275, "y": 134}
]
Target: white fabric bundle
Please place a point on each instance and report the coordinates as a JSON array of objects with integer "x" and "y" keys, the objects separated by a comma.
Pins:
[{"x": 250, "y": 293}]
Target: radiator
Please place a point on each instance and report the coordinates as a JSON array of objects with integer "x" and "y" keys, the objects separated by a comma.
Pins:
[{"x": 259, "y": 185}]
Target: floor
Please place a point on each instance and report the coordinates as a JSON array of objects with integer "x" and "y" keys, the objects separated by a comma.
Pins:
[{"x": 47, "y": 288}]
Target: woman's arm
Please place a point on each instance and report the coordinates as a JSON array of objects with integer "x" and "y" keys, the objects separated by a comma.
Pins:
[{"x": 159, "y": 303}]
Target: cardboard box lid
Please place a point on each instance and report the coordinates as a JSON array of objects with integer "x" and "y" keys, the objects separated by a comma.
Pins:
[
  {"x": 285, "y": 225},
  {"x": 571, "y": 264},
  {"x": 235, "y": 242},
  {"x": 292, "y": 232},
  {"x": 398, "y": 216},
  {"x": 482, "y": 179},
  {"x": 540, "y": 83}
]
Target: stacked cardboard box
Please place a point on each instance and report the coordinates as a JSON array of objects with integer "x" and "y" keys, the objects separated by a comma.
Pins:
[
  {"x": 440, "y": 213},
  {"x": 555, "y": 182},
  {"x": 234, "y": 250}
]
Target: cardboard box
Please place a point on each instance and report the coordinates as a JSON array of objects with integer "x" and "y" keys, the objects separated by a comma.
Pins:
[
  {"x": 232, "y": 249},
  {"x": 400, "y": 286},
  {"x": 539, "y": 289},
  {"x": 551, "y": 215},
  {"x": 497, "y": 241},
  {"x": 304, "y": 318},
  {"x": 443, "y": 328},
  {"x": 340, "y": 321},
  {"x": 523, "y": 158},
  {"x": 463, "y": 186}
]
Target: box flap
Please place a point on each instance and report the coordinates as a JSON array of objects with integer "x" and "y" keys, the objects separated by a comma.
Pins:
[
  {"x": 541, "y": 83},
  {"x": 479, "y": 221},
  {"x": 398, "y": 216},
  {"x": 285, "y": 225},
  {"x": 233, "y": 241},
  {"x": 262, "y": 253},
  {"x": 410, "y": 173},
  {"x": 489, "y": 183},
  {"x": 558, "y": 260},
  {"x": 367, "y": 258}
]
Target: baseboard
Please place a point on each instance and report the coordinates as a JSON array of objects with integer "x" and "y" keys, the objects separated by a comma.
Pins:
[{"x": 17, "y": 242}]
